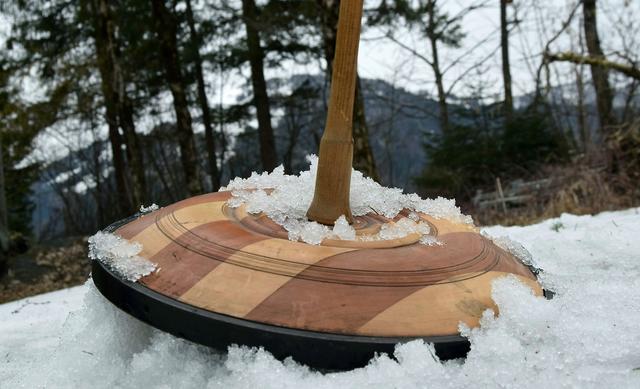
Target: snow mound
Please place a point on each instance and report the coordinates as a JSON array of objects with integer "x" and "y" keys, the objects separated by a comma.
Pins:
[
  {"x": 120, "y": 255},
  {"x": 586, "y": 337},
  {"x": 286, "y": 198}
]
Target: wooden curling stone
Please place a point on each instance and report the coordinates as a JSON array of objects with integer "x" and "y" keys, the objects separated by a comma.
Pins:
[{"x": 217, "y": 263}]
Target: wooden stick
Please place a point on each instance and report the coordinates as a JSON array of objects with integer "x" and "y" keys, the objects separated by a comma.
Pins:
[{"x": 333, "y": 181}]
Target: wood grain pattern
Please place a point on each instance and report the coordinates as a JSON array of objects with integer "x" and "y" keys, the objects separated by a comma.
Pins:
[
  {"x": 231, "y": 262},
  {"x": 438, "y": 309}
]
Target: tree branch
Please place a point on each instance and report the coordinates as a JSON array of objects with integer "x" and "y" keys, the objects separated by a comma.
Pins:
[
  {"x": 628, "y": 70},
  {"x": 409, "y": 49}
]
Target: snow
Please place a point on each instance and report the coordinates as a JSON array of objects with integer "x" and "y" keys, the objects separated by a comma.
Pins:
[
  {"x": 586, "y": 337},
  {"x": 515, "y": 249},
  {"x": 343, "y": 230},
  {"x": 286, "y": 198},
  {"x": 151, "y": 208},
  {"x": 430, "y": 240},
  {"x": 402, "y": 228},
  {"x": 120, "y": 255}
]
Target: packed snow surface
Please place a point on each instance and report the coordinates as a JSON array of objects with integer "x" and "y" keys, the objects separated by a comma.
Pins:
[
  {"x": 586, "y": 337},
  {"x": 120, "y": 255},
  {"x": 286, "y": 198}
]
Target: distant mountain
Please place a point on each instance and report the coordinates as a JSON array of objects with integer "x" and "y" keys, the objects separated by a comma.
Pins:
[
  {"x": 66, "y": 197},
  {"x": 398, "y": 121}
]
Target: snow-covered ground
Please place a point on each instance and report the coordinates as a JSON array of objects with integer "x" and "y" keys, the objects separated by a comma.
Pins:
[{"x": 587, "y": 336}]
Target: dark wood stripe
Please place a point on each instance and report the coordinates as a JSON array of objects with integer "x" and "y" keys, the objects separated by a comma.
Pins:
[
  {"x": 413, "y": 265},
  {"x": 327, "y": 307},
  {"x": 345, "y": 308},
  {"x": 192, "y": 256},
  {"x": 339, "y": 307}
]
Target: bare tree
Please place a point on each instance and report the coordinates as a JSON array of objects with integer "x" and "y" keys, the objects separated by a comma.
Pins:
[
  {"x": 268, "y": 153},
  {"x": 440, "y": 29},
  {"x": 506, "y": 69},
  {"x": 434, "y": 36},
  {"x": 166, "y": 29},
  {"x": 105, "y": 58},
  {"x": 4, "y": 222},
  {"x": 599, "y": 74},
  {"x": 196, "y": 42}
]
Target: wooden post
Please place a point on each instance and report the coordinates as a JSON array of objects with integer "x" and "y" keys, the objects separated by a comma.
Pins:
[{"x": 333, "y": 181}]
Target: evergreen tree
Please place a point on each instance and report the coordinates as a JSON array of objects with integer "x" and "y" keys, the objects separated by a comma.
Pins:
[
  {"x": 167, "y": 30},
  {"x": 131, "y": 189}
]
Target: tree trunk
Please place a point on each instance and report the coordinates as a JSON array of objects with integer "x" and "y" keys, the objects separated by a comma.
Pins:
[
  {"x": 329, "y": 10},
  {"x": 363, "y": 159},
  {"x": 124, "y": 108},
  {"x": 135, "y": 154},
  {"x": 506, "y": 69},
  {"x": 99, "y": 192},
  {"x": 435, "y": 66},
  {"x": 268, "y": 153},
  {"x": 4, "y": 218},
  {"x": 204, "y": 103},
  {"x": 166, "y": 29},
  {"x": 600, "y": 75},
  {"x": 125, "y": 203},
  {"x": 582, "y": 117}
]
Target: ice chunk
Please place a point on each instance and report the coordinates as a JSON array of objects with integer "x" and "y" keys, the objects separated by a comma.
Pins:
[
  {"x": 402, "y": 228},
  {"x": 148, "y": 209},
  {"x": 514, "y": 248},
  {"x": 343, "y": 230},
  {"x": 120, "y": 255},
  {"x": 286, "y": 198},
  {"x": 430, "y": 240},
  {"x": 440, "y": 208}
]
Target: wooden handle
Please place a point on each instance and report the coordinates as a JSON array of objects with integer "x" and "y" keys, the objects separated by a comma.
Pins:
[
  {"x": 343, "y": 82},
  {"x": 333, "y": 181}
]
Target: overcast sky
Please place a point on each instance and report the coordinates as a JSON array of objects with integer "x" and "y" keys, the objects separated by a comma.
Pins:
[{"x": 384, "y": 59}]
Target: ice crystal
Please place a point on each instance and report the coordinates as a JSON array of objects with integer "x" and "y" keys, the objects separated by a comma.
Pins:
[
  {"x": 286, "y": 198},
  {"x": 120, "y": 255}
]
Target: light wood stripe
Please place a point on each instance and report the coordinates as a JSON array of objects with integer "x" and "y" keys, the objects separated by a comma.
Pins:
[
  {"x": 345, "y": 306},
  {"x": 134, "y": 227},
  {"x": 189, "y": 258},
  {"x": 235, "y": 290},
  {"x": 439, "y": 309},
  {"x": 445, "y": 226},
  {"x": 153, "y": 239}
]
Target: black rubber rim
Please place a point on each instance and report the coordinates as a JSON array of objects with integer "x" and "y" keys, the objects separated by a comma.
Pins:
[{"x": 320, "y": 350}]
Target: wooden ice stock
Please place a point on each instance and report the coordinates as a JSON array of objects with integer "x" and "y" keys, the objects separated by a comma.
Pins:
[{"x": 333, "y": 180}]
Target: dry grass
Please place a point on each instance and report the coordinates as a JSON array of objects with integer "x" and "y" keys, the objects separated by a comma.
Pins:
[
  {"x": 46, "y": 268},
  {"x": 602, "y": 180}
]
